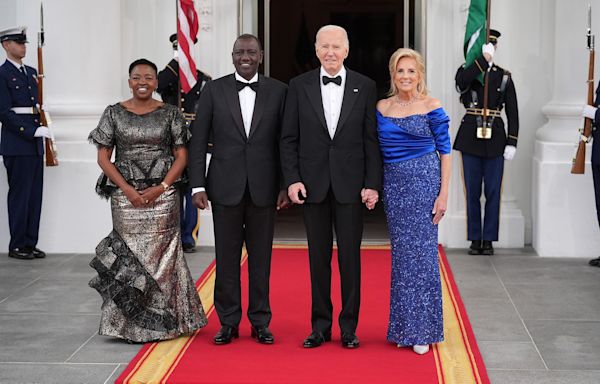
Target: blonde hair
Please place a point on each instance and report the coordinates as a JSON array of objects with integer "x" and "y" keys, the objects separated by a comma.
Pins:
[{"x": 401, "y": 53}]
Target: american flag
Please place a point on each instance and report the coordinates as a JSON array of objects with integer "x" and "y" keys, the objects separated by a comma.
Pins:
[{"x": 187, "y": 30}]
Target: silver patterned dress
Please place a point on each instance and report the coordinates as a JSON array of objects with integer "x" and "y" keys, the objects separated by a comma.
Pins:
[{"x": 147, "y": 290}]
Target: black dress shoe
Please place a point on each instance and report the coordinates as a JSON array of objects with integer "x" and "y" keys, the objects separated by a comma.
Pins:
[
  {"x": 475, "y": 248},
  {"x": 37, "y": 253},
  {"x": 316, "y": 338},
  {"x": 595, "y": 262},
  {"x": 487, "y": 248},
  {"x": 349, "y": 340},
  {"x": 225, "y": 334},
  {"x": 262, "y": 334},
  {"x": 21, "y": 253},
  {"x": 188, "y": 248}
]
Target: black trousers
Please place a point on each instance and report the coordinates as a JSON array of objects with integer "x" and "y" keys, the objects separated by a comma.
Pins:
[
  {"x": 347, "y": 220},
  {"x": 25, "y": 184},
  {"x": 234, "y": 226}
]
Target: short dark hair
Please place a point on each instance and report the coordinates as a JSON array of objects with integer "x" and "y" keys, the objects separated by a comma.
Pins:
[
  {"x": 248, "y": 36},
  {"x": 143, "y": 62}
]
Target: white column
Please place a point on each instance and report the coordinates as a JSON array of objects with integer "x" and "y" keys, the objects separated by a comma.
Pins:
[
  {"x": 564, "y": 216},
  {"x": 83, "y": 75}
]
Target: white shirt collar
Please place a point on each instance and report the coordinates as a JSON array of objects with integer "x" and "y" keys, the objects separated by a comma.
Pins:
[
  {"x": 252, "y": 80},
  {"x": 16, "y": 64},
  {"x": 341, "y": 73}
]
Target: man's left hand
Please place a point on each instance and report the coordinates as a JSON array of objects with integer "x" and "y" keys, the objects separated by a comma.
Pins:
[
  {"x": 369, "y": 197},
  {"x": 283, "y": 201}
]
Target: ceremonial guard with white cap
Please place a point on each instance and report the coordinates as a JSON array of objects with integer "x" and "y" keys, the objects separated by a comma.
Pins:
[
  {"x": 484, "y": 143},
  {"x": 169, "y": 90},
  {"x": 21, "y": 145}
]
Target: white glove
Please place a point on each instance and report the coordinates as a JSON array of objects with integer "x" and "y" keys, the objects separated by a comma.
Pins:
[
  {"x": 43, "y": 132},
  {"x": 488, "y": 52},
  {"x": 589, "y": 112},
  {"x": 509, "y": 152},
  {"x": 176, "y": 54}
]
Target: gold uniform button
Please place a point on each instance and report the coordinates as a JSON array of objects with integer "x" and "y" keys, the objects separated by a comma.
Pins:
[
  {"x": 29, "y": 87},
  {"x": 32, "y": 98},
  {"x": 21, "y": 129},
  {"x": 17, "y": 87}
]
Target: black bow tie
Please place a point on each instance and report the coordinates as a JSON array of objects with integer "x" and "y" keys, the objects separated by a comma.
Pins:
[
  {"x": 240, "y": 85},
  {"x": 336, "y": 80}
]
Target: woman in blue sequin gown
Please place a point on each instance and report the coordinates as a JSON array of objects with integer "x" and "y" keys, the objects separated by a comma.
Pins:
[{"x": 415, "y": 144}]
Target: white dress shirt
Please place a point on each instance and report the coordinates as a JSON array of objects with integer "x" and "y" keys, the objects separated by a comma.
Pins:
[
  {"x": 17, "y": 65},
  {"x": 247, "y": 98},
  {"x": 332, "y": 96}
]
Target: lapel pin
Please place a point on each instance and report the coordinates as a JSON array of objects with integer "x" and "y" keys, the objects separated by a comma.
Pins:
[{"x": 355, "y": 90}]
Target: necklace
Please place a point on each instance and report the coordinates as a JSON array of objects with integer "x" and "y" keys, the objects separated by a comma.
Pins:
[{"x": 404, "y": 103}]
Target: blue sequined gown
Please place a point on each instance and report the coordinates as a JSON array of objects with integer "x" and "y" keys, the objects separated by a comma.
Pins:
[{"x": 411, "y": 183}]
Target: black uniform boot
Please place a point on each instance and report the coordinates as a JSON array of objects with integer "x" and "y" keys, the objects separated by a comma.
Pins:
[{"x": 475, "y": 248}]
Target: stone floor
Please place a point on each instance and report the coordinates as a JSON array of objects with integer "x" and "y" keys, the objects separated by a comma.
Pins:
[{"x": 537, "y": 320}]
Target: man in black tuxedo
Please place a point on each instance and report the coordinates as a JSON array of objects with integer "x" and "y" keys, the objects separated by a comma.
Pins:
[
  {"x": 332, "y": 164},
  {"x": 242, "y": 113}
]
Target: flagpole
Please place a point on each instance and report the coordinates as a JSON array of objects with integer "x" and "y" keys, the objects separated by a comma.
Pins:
[
  {"x": 178, "y": 68},
  {"x": 487, "y": 73}
]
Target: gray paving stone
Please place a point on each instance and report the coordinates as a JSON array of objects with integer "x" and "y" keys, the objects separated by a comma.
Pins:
[
  {"x": 24, "y": 373},
  {"x": 524, "y": 269},
  {"x": 54, "y": 295},
  {"x": 510, "y": 355},
  {"x": 568, "y": 345},
  {"x": 103, "y": 349},
  {"x": 496, "y": 320},
  {"x": 556, "y": 299},
  {"x": 43, "y": 337},
  {"x": 543, "y": 377}
]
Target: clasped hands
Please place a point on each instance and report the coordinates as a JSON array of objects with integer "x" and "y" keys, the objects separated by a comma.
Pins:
[
  {"x": 297, "y": 194},
  {"x": 144, "y": 197}
]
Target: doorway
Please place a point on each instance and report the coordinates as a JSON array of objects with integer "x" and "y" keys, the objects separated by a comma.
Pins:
[{"x": 376, "y": 28}]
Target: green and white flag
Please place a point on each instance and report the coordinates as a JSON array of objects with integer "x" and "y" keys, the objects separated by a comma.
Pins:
[{"x": 475, "y": 33}]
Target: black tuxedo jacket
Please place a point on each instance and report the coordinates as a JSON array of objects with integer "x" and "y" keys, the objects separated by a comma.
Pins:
[
  {"x": 238, "y": 161},
  {"x": 348, "y": 162}
]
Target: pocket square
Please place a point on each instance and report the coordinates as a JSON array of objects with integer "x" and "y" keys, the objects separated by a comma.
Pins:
[{"x": 355, "y": 90}]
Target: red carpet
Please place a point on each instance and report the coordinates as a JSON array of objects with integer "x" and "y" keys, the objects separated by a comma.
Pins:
[{"x": 196, "y": 360}]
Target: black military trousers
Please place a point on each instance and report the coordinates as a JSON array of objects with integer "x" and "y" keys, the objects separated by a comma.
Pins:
[{"x": 596, "y": 175}]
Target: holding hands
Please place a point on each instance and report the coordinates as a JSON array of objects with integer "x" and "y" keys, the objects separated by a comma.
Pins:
[{"x": 369, "y": 197}]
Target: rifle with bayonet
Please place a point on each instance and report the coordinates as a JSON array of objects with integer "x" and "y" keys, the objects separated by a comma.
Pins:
[
  {"x": 50, "y": 148},
  {"x": 578, "y": 167}
]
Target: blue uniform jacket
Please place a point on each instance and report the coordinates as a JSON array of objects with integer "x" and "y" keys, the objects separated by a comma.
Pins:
[{"x": 19, "y": 90}]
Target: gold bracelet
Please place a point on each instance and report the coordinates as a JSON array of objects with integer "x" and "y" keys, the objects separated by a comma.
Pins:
[{"x": 164, "y": 185}]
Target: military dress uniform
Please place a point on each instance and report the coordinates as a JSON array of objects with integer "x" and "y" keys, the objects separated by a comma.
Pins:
[
  {"x": 168, "y": 84},
  {"x": 483, "y": 161},
  {"x": 22, "y": 153},
  {"x": 596, "y": 162}
]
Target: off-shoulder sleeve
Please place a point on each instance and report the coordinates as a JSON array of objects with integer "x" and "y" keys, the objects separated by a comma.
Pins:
[
  {"x": 180, "y": 133},
  {"x": 439, "y": 124},
  {"x": 104, "y": 134}
]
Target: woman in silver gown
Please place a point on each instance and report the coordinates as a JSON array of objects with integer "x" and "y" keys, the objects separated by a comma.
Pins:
[{"x": 147, "y": 290}]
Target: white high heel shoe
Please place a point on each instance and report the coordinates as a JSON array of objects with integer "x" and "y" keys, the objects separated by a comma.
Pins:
[{"x": 421, "y": 349}]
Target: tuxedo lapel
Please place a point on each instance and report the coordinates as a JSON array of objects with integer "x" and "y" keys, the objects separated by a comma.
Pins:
[
  {"x": 351, "y": 92},
  {"x": 262, "y": 95},
  {"x": 313, "y": 90},
  {"x": 233, "y": 101}
]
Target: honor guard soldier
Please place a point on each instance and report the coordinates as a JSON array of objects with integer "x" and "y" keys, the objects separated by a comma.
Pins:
[
  {"x": 169, "y": 90},
  {"x": 592, "y": 112},
  {"x": 21, "y": 145},
  {"x": 484, "y": 143}
]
